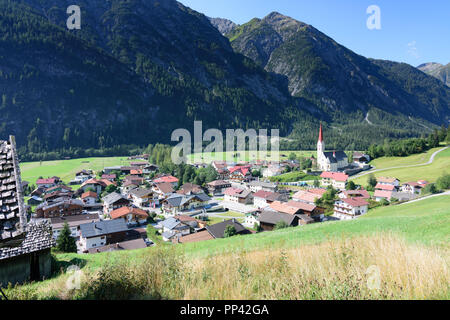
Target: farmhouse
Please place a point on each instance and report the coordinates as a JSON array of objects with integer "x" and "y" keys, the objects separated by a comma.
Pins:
[
  {"x": 238, "y": 195},
  {"x": 24, "y": 247},
  {"x": 74, "y": 223},
  {"x": 269, "y": 219},
  {"x": 336, "y": 179},
  {"x": 144, "y": 198},
  {"x": 130, "y": 215},
  {"x": 114, "y": 201},
  {"x": 350, "y": 208},
  {"x": 414, "y": 188},
  {"x": 101, "y": 233},
  {"x": 63, "y": 208},
  {"x": 46, "y": 183},
  {"x": 262, "y": 199},
  {"x": 178, "y": 203},
  {"x": 218, "y": 187},
  {"x": 240, "y": 173}
]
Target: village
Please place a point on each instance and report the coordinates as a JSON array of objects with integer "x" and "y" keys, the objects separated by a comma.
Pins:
[{"x": 113, "y": 209}]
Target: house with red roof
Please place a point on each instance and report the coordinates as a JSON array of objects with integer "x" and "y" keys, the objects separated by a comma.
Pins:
[
  {"x": 240, "y": 173},
  {"x": 309, "y": 196},
  {"x": 414, "y": 188},
  {"x": 383, "y": 194},
  {"x": 131, "y": 215},
  {"x": 46, "y": 183},
  {"x": 350, "y": 208},
  {"x": 364, "y": 194},
  {"x": 89, "y": 197},
  {"x": 167, "y": 179},
  {"x": 262, "y": 199},
  {"x": 97, "y": 185},
  {"x": 336, "y": 179}
]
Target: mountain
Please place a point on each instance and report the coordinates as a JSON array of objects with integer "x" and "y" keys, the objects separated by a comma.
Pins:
[
  {"x": 335, "y": 79},
  {"x": 136, "y": 71},
  {"x": 223, "y": 25},
  {"x": 139, "y": 69},
  {"x": 437, "y": 70}
]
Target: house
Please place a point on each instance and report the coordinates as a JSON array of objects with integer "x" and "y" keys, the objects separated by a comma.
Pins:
[
  {"x": 144, "y": 198},
  {"x": 268, "y": 219},
  {"x": 262, "y": 199},
  {"x": 114, "y": 201},
  {"x": 127, "y": 169},
  {"x": 101, "y": 233},
  {"x": 330, "y": 161},
  {"x": 238, "y": 195},
  {"x": 414, "y": 188},
  {"x": 136, "y": 172},
  {"x": 59, "y": 188},
  {"x": 336, "y": 179},
  {"x": 388, "y": 181},
  {"x": 83, "y": 175},
  {"x": 218, "y": 230},
  {"x": 256, "y": 186},
  {"x": 89, "y": 197},
  {"x": 98, "y": 186},
  {"x": 46, "y": 183},
  {"x": 203, "y": 235},
  {"x": 191, "y": 221},
  {"x": 57, "y": 196},
  {"x": 363, "y": 194},
  {"x": 124, "y": 245},
  {"x": 272, "y": 170},
  {"x": 24, "y": 246},
  {"x": 132, "y": 216},
  {"x": 284, "y": 207},
  {"x": 382, "y": 194},
  {"x": 217, "y": 188},
  {"x": 361, "y": 159},
  {"x": 35, "y": 200},
  {"x": 189, "y": 189},
  {"x": 148, "y": 169},
  {"x": 167, "y": 179},
  {"x": 239, "y": 173},
  {"x": 74, "y": 223},
  {"x": 139, "y": 165},
  {"x": 163, "y": 190},
  {"x": 177, "y": 203},
  {"x": 108, "y": 170},
  {"x": 350, "y": 208},
  {"x": 127, "y": 186},
  {"x": 310, "y": 210},
  {"x": 309, "y": 196},
  {"x": 71, "y": 207},
  {"x": 38, "y": 192},
  {"x": 110, "y": 177},
  {"x": 173, "y": 227},
  {"x": 251, "y": 219}
]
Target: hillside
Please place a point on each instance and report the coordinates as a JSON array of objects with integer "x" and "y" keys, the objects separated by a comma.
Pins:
[
  {"x": 345, "y": 86},
  {"x": 437, "y": 70},
  {"x": 321, "y": 261}
]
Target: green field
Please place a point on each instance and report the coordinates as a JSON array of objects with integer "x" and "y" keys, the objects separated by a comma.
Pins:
[
  {"x": 243, "y": 156},
  {"x": 429, "y": 172},
  {"x": 66, "y": 169}
]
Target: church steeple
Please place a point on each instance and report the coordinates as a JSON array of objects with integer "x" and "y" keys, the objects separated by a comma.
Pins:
[{"x": 321, "y": 133}]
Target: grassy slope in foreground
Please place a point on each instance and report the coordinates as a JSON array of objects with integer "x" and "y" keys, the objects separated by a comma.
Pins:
[
  {"x": 429, "y": 172},
  {"x": 66, "y": 169},
  {"x": 322, "y": 261}
]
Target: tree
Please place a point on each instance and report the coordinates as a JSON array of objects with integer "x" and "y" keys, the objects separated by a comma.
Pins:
[
  {"x": 351, "y": 185},
  {"x": 111, "y": 188},
  {"x": 316, "y": 183},
  {"x": 281, "y": 225},
  {"x": 292, "y": 156},
  {"x": 65, "y": 242},
  {"x": 430, "y": 188},
  {"x": 372, "y": 182},
  {"x": 443, "y": 182},
  {"x": 230, "y": 231}
]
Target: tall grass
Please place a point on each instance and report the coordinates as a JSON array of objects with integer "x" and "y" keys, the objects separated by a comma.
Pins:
[{"x": 375, "y": 267}]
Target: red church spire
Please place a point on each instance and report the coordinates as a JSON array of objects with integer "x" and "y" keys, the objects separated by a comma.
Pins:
[{"x": 321, "y": 133}]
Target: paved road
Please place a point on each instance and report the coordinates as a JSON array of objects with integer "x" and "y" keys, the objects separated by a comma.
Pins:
[
  {"x": 400, "y": 167},
  {"x": 447, "y": 193}
]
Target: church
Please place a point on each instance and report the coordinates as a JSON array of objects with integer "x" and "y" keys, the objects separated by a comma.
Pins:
[{"x": 330, "y": 161}]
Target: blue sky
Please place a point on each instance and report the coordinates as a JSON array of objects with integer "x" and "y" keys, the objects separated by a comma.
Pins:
[{"x": 412, "y": 31}]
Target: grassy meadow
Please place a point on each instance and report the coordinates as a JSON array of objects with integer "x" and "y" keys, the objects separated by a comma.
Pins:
[
  {"x": 401, "y": 251},
  {"x": 66, "y": 169},
  {"x": 429, "y": 172}
]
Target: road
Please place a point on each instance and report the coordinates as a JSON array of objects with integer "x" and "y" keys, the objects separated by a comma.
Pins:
[{"x": 401, "y": 167}]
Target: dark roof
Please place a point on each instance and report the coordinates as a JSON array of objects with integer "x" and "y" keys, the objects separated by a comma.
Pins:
[
  {"x": 177, "y": 199},
  {"x": 73, "y": 221},
  {"x": 335, "y": 156},
  {"x": 125, "y": 245},
  {"x": 12, "y": 209},
  {"x": 96, "y": 229},
  {"x": 141, "y": 192},
  {"x": 113, "y": 197},
  {"x": 273, "y": 217},
  {"x": 38, "y": 237},
  {"x": 218, "y": 230}
]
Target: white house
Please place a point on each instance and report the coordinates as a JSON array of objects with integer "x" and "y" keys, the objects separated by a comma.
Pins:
[
  {"x": 350, "y": 208},
  {"x": 74, "y": 223},
  {"x": 336, "y": 179},
  {"x": 256, "y": 186},
  {"x": 250, "y": 219},
  {"x": 101, "y": 233}
]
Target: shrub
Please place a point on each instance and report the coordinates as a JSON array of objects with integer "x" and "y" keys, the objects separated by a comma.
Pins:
[
  {"x": 430, "y": 189},
  {"x": 281, "y": 225},
  {"x": 230, "y": 231},
  {"x": 443, "y": 182}
]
